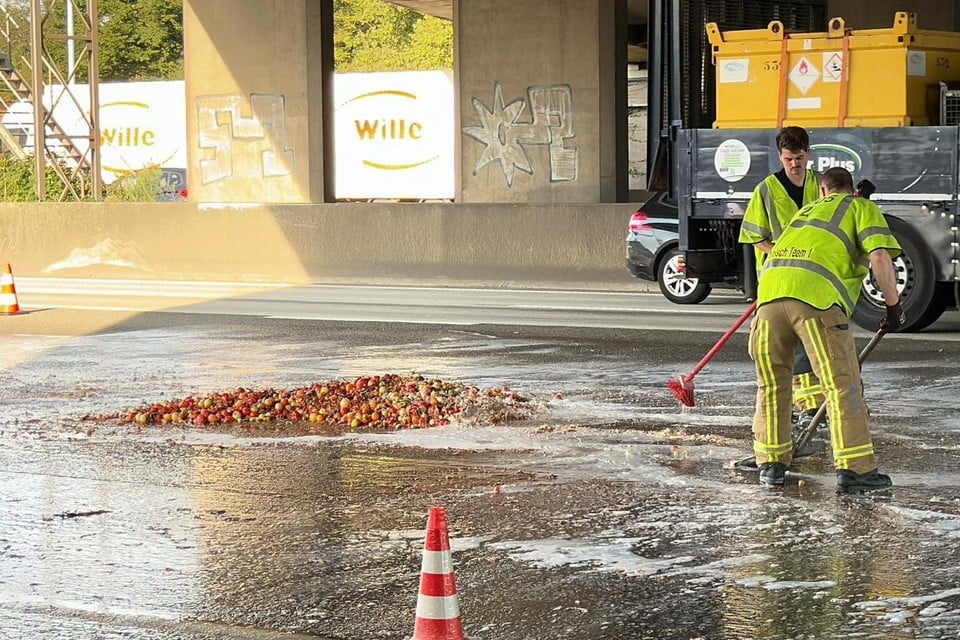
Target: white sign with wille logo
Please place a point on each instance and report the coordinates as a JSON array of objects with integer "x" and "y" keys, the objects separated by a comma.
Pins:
[
  {"x": 394, "y": 135},
  {"x": 141, "y": 124}
]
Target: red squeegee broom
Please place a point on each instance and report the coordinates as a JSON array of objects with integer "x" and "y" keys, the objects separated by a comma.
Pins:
[{"x": 682, "y": 387}]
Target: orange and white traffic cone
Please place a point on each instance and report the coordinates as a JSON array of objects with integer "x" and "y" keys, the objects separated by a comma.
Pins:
[
  {"x": 438, "y": 613},
  {"x": 8, "y": 293}
]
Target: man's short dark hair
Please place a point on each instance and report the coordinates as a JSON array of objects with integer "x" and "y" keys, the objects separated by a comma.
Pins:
[
  {"x": 837, "y": 179},
  {"x": 793, "y": 139}
]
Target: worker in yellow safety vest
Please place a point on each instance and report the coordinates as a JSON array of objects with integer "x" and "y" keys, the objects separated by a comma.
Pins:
[
  {"x": 806, "y": 292},
  {"x": 773, "y": 204}
]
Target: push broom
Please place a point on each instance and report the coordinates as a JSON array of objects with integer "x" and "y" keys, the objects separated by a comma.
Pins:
[{"x": 682, "y": 387}]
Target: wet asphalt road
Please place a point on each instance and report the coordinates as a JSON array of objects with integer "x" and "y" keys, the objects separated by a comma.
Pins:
[{"x": 609, "y": 514}]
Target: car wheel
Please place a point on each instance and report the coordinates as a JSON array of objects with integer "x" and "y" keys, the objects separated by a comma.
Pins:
[{"x": 676, "y": 287}]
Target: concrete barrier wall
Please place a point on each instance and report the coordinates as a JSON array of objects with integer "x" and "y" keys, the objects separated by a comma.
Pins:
[{"x": 479, "y": 244}]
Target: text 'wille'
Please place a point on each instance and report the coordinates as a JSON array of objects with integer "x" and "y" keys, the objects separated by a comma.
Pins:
[
  {"x": 127, "y": 137},
  {"x": 388, "y": 129}
]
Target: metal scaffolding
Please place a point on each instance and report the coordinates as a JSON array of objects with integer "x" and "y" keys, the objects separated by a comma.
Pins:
[{"x": 48, "y": 81}]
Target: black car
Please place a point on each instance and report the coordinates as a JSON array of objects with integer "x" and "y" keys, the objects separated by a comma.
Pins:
[{"x": 653, "y": 251}]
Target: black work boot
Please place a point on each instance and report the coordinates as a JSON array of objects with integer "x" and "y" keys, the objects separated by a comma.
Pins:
[
  {"x": 850, "y": 482},
  {"x": 773, "y": 473}
]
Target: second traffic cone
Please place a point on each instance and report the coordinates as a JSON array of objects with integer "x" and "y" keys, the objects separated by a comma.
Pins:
[
  {"x": 438, "y": 612},
  {"x": 8, "y": 293}
]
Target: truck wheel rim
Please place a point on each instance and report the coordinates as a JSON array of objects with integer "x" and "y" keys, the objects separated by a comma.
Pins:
[{"x": 906, "y": 274}]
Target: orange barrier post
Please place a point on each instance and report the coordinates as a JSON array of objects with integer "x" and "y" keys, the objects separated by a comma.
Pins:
[
  {"x": 8, "y": 293},
  {"x": 438, "y": 612}
]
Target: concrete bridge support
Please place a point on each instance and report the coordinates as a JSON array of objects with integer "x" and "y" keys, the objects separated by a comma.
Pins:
[
  {"x": 259, "y": 81},
  {"x": 542, "y": 100}
]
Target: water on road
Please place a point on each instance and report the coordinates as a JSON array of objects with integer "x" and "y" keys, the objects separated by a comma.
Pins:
[{"x": 610, "y": 514}]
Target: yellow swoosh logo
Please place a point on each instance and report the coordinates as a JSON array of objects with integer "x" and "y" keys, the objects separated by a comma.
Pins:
[
  {"x": 126, "y": 103},
  {"x": 397, "y": 167},
  {"x": 385, "y": 92}
]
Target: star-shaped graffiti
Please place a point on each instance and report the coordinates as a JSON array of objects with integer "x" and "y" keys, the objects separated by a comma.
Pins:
[
  {"x": 504, "y": 135},
  {"x": 503, "y": 144}
]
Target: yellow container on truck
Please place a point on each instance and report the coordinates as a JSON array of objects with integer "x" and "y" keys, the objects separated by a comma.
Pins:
[{"x": 841, "y": 78}]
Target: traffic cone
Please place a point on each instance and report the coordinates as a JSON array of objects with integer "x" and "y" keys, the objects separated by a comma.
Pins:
[
  {"x": 438, "y": 613},
  {"x": 8, "y": 293}
]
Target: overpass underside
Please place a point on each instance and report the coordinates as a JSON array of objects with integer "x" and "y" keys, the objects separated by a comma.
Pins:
[
  {"x": 541, "y": 161},
  {"x": 540, "y": 100}
]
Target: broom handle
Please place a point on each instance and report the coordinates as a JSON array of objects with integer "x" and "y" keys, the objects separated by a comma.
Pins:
[{"x": 722, "y": 341}]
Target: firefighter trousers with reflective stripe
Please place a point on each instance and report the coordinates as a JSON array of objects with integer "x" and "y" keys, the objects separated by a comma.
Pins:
[
  {"x": 774, "y": 332},
  {"x": 807, "y": 395}
]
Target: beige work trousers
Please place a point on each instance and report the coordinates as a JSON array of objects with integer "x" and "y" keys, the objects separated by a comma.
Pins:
[{"x": 774, "y": 331}]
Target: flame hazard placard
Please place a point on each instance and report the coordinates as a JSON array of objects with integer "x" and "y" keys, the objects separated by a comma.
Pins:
[{"x": 804, "y": 74}]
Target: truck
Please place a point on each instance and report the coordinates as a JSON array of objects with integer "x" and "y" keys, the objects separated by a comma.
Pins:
[{"x": 711, "y": 141}]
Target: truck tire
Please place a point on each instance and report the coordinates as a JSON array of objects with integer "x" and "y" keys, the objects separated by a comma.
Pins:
[
  {"x": 916, "y": 271},
  {"x": 943, "y": 299},
  {"x": 674, "y": 286}
]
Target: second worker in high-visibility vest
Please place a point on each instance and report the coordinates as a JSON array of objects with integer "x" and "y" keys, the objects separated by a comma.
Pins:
[
  {"x": 806, "y": 292},
  {"x": 773, "y": 204}
]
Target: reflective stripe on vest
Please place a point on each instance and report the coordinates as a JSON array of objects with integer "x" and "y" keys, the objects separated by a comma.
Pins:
[
  {"x": 830, "y": 226},
  {"x": 749, "y": 226},
  {"x": 771, "y": 207},
  {"x": 776, "y": 200}
]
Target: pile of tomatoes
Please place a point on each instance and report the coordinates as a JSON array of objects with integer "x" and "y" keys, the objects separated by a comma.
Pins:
[{"x": 380, "y": 402}]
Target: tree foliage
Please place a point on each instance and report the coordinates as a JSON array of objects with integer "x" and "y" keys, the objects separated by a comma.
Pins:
[
  {"x": 16, "y": 32},
  {"x": 373, "y": 35},
  {"x": 138, "y": 39},
  {"x": 144, "y": 185},
  {"x": 18, "y": 183},
  {"x": 141, "y": 40}
]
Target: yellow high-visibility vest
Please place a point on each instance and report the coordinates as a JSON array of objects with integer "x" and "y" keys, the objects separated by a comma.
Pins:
[
  {"x": 822, "y": 257},
  {"x": 771, "y": 208}
]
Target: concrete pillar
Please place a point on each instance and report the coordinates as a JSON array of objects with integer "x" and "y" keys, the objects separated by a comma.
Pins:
[
  {"x": 542, "y": 100},
  {"x": 257, "y": 73}
]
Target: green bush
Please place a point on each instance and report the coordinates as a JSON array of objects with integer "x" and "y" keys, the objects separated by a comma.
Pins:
[
  {"x": 137, "y": 186},
  {"x": 17, "y": 183},
  {"x": 16, "y": 180}
]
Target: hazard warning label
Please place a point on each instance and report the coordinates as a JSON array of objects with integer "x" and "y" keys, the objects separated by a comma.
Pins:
[
  {"x": 804, "y": 74},
  {"x": 832, "y": 66}
]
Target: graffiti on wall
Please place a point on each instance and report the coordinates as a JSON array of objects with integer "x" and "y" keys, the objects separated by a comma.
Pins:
[
  {"x": 505, "y": 135},
  {"x": 222, "y": 127}
]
